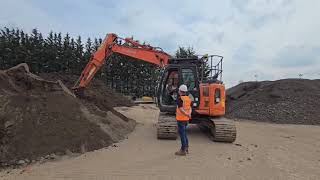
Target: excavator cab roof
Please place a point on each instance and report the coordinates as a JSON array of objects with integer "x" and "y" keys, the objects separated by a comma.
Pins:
[
  {"x": 209, "y": 67},
  {"x": 194, "y": 60}
]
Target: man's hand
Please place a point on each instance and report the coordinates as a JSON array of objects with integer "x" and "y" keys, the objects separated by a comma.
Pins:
[{"x": 185, "y": 113}]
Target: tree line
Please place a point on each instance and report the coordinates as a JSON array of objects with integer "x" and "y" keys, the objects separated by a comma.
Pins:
[{"x": 57, "y": 52}]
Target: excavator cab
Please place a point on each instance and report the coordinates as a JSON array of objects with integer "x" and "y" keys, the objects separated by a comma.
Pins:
[
  {"x": 189, "y": 71},
  {"x": 181, "y": 71},
  {"x": 203, "y": 77}
]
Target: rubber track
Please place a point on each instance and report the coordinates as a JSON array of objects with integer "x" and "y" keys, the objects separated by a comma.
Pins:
[
  {"x": 220, "y": 129},
  {"x": 167, "y": 127},
  {"x": 224, "y": 130}
]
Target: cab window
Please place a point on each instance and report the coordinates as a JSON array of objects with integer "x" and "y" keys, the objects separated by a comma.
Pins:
[
  {"x": 188, "y": 78},
  {"x": 170, "y": 87}
]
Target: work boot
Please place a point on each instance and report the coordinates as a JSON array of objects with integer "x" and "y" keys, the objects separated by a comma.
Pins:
[
  {"x": 180, "y": 153},
  {"x": 187, "y": 150}
]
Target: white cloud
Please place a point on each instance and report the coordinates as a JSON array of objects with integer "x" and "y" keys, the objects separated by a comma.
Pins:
[
  {"x": 251, "y": 34},
  {"x": 23, "y": 14}
]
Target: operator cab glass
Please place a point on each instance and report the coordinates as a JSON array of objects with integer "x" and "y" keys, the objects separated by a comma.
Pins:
[
  {"x": 171, "y": 83},
  {"x": 188, "y": 79},
  {"x": 173, "y": 77}
]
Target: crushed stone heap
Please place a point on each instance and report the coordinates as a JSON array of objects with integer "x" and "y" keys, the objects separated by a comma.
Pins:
[{"x": 289, "y": 101}]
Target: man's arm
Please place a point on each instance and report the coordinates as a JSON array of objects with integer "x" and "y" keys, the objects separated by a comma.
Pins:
[{"x": 184, "y": 112}]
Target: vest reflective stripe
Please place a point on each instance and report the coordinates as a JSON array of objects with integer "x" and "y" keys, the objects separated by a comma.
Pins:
[{"x": 186, "y": 106}]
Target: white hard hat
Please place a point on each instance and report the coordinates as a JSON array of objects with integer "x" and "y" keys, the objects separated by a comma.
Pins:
[{"x": 183, "y": 88}]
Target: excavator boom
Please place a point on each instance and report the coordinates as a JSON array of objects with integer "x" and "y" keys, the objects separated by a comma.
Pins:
[{"x": 124, "y": 46}]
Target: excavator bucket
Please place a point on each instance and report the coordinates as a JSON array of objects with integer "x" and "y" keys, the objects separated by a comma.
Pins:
[{"x": 79, "y": 92}]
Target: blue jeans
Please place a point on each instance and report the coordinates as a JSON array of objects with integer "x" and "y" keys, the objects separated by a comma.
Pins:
[{"x": 182, "y": 129}]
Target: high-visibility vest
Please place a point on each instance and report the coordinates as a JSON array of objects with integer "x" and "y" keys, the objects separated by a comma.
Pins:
[{"x": 186, "y": 106}]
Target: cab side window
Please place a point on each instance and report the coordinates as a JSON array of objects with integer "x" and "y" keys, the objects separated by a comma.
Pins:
[
  {"x": 169, "y": 92},
  {"x": 217, "y": 96},
  {"x": 188, "y": 78}
]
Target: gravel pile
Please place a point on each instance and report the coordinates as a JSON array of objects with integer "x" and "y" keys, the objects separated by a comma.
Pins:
[{"x": 289, "y": 101}]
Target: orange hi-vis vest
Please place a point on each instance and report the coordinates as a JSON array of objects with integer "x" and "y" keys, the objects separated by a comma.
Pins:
[{"x": 186, "y": 106}]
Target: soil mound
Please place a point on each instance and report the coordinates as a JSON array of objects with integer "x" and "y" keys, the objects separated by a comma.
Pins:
[
  {"x": 40, "y": 117},
  {"x": 97, "y": 92},
  {"x": 290, "y": 101}
]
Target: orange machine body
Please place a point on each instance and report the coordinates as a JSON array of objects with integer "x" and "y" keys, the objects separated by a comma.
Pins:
[{"x": 212, "y": 99}]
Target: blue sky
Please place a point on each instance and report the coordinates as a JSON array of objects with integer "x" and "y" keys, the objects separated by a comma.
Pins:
[{"x": 273, "y": 39}]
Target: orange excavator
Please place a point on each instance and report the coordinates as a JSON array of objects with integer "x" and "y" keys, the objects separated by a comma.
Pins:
[{"x": 201, "y": 74}]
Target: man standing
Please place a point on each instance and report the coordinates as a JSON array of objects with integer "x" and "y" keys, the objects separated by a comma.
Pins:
[{"x": 183, "y": 115}]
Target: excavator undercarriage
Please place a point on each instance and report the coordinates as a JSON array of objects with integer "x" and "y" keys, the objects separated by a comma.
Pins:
[{"x": 218, "y": 129}]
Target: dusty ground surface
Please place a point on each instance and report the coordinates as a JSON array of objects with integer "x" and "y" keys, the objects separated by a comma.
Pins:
[{"x": 261, "y": 151}]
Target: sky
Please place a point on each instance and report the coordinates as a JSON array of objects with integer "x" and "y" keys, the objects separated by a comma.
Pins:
[{"x": 259, "y": 39}]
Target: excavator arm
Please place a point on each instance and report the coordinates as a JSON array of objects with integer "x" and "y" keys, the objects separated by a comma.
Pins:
[{"x": 124, "y": 46}]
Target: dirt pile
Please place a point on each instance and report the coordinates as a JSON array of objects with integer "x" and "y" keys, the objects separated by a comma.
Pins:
[
  {"x": 292, "y": 101},
  {"x": 97, "y": 93},
  {"x": 40, "y": 117}
]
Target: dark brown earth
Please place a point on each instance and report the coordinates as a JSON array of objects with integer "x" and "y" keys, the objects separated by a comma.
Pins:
[
  {"x": 289, "y": 101},
  {"x": 96, "y": 95},
  {"x": 40, "y": 118},
  {"x": 97, "y": 92}
]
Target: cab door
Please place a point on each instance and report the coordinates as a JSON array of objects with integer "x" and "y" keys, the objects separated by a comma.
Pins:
[
  {"x": 217, "y": 99},
  {"x": 189, "y": 77},
  {"x": 204, "y": 106},
  {"x": 167, "y": 90}
]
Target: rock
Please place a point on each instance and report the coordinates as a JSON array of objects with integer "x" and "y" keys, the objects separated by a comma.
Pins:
[
  {"x": 47, "y": 157},
  {"x": 9, "y": 123},
  {"x": 42, "y": 159},
  {"x": 68, "y": 152},
  {"x": 249, "y": 159},
  {"x": 53, "y": 156},
  {"x": 254, "y": 145},
  {"x": 21, "y": 162}
]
